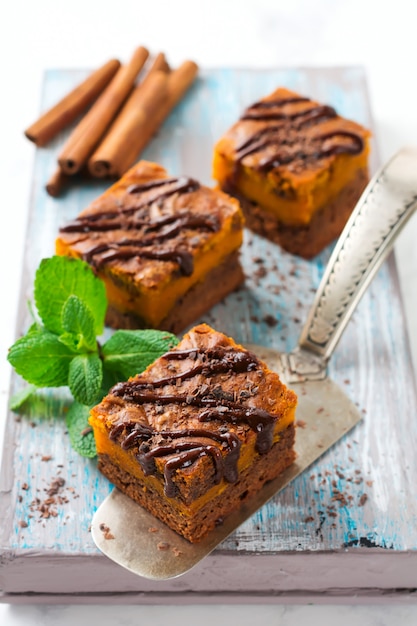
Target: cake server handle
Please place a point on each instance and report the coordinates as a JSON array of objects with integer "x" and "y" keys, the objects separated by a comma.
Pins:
[{"x": 385, "y": 206}]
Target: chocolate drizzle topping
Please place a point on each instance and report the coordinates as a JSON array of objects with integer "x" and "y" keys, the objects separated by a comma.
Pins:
[
  {"x": 180, "y": 185},
  {"x": 292, "y": 148},
  {"x": 128, "y": 250},
  {"x": 216, "y": 404},
  {"x": 185, "y": 452},
  {"x": 149, "y": 236}
]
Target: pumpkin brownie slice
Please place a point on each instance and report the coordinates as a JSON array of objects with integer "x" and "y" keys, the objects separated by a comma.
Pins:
[
  {"x": 297, "y": 167},
  {"x": 167, "y": 248},
  {"x": 196, "y": 434}
]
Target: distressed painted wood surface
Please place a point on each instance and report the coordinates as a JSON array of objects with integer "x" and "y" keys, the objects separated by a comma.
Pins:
[{"x": 349, "y": 523}]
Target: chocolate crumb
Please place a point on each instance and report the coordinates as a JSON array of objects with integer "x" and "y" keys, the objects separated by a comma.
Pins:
[
  {"x": 301, "y": 424},
  {"x": 363, "y": 499},
  {"x": 270, "y": 320},
  {"x": 25, "y": 486},
  {"x": 274, "y": 289},
  {"x": 23, "y": 524},
  {"x": 261, "y": 272},
  {"x": 308, "y": 519},
  {"x": 152, "y": 529},
  {"x": 162, "y": 545},
  {"x": 46, "y": 457},
  {"x": 106, "y": 531},
  {"x": 55, "y": 486},
  {"x": 340, "y": 497}
]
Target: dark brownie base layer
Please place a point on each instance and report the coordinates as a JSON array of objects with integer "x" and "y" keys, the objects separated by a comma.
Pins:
[
  {"x": 265, "y": 467},
  {"x": 218, "y": 283},
  {"x": 306, "y": 241}
]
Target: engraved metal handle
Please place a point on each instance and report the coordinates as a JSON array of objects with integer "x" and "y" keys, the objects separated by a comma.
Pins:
[{"x": 383, "y": 209}]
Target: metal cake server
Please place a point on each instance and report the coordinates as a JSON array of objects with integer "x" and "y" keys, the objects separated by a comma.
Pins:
[{"x": 131, "y": 536}]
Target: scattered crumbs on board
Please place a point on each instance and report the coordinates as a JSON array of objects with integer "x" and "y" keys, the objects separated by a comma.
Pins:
[
  {"x": 55, "y": 495},
  {"x": 336, "y": 487}
]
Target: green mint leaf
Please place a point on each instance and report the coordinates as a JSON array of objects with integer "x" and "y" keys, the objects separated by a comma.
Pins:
[
  {"x": 59, "y": 277},
  {"x": 129, "y": 352},
  {"x": 80, "y": 433},
  {"x": 41, "y": 359},
  {"x": 109, "y": 380},
  {"x": 78, "y": 322},
  {"x": 85, "y": 376},
  {"x": 18, "y": 399},
  {"x": 34, "y": 328}
]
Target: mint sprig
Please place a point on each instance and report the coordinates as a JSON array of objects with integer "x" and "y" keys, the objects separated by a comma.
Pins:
[{"x": 61, "y": 349}]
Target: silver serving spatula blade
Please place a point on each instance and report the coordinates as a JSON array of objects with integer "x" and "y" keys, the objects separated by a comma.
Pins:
[{"x": 132, "y": 537}]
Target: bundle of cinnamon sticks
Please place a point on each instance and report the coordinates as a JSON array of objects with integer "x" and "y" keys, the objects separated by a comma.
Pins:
[{"x": 124, "y": 115}]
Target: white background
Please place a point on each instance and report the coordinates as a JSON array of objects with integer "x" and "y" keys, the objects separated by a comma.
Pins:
[{"x": 34, "y": 35}]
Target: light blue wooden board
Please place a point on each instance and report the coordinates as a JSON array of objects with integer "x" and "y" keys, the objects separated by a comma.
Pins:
[{"x": 372, "y": 363}]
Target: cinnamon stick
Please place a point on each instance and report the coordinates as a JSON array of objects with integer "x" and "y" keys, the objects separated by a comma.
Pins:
[
  {"x": 57, "y": 183},
  {"x": 127, "y": 148},
  {"x": 92, "y": 127},
  {"x": 159, "y": 63},
  {"x": 68, "y": 108},
  {"x": 124, "y": 133}
]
